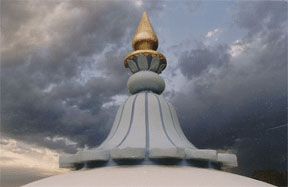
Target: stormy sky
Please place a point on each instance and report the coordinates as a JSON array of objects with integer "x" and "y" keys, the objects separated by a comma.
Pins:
[{"x": 62, "y": 77}]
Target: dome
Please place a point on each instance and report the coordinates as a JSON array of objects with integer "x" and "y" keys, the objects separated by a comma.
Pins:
[{"x": 147, "y": 176}]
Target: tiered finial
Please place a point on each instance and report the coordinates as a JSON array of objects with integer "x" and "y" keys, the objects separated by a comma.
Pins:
[
  {"x": 145, "y": 62},
  {"x": 146, "y": 129}
]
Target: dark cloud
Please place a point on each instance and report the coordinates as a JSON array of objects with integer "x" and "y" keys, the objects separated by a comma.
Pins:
[
  {"x": 61, "y": 62},
  {"x": 240, "y": 102},
  {"x": 267, "y": 18},
  {"x": 196, "y": 61}
]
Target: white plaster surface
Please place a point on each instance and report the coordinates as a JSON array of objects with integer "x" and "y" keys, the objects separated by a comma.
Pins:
[
  {"x": 137, "y": 136},
  {"x": 123, "y": 126},
  {"x": 201, "y": 154},
  {"x": 178, "y": 128},
  {"x": 228, "y": 160},
  {"x": 114, "y": 126},
  {"x": 148, "y": 176},
  {"x": 93, "y": 154},
  {"x": 157, "y": 136},
  {"x": 174, "y": 152},
  {"x": 146, "y": 125},
  {"x": 145, "y": 80},
  {"x": 67, "y": 160},
  {"x": 168, "y": 123},
  {"x": 131, "y": 153}
]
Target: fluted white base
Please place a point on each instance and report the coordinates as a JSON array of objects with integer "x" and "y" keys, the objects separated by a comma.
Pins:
[{"x": 146, "y": 127}]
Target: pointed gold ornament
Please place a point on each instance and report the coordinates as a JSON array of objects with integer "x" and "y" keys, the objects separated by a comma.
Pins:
[
  {"x": 145, "y": 42},
  {"x": 145, "y": 37}
]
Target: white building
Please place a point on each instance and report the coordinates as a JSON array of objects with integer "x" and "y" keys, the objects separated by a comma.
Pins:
[{"x": 146, "y": 145}]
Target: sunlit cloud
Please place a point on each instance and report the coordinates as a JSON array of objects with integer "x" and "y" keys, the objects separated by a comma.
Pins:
[
  {"x": 236, "y": 48},
  {"x": 66, "y": 140},
  {"x": 16, "y": 154},
  {"x": 212, "y": 36},
  {"x": 212, "y": 33}
]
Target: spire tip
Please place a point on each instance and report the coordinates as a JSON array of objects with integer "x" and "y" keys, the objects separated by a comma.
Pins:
[{"x": 145, "y": 37}]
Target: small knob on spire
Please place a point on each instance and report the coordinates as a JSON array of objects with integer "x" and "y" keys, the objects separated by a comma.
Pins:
[{"x": 145, "y": 37}]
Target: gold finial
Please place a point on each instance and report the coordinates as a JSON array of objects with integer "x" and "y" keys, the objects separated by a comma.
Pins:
[
  {"x": 145, "y": 43},
  {"x": 145, "y": 37}
]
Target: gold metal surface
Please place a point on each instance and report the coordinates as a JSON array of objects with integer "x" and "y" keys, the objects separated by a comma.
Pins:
[
  {"x": 144, "y": 52},
  {"x": 144, "y": 41},
  {"x": 145, "y": 37}
]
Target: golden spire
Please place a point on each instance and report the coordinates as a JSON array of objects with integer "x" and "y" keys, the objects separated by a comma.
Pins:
[
  {"x": 145, "y": 37},
  {"x": 145, "y": 44}
]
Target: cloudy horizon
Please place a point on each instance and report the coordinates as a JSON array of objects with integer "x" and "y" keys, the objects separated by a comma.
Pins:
[{"x": 62, "y": 78}]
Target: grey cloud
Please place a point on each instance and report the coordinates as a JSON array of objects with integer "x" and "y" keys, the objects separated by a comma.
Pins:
[
  {"x": 61, "y": 61},
  {"x": 49, "y": 47},
  {"x": 232, "y": 102},
  {"x": 268, "y": 16},
  {"x": 196, "y": 61},
  {"x": 192, "y": 6},
  {"x": 69, "y": 34}
]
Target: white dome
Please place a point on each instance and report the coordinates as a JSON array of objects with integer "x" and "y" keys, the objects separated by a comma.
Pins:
[{"x": 146, "y": 175}]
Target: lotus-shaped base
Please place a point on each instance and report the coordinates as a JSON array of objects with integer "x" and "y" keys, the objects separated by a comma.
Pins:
[{"x": 146, "y": 130}]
